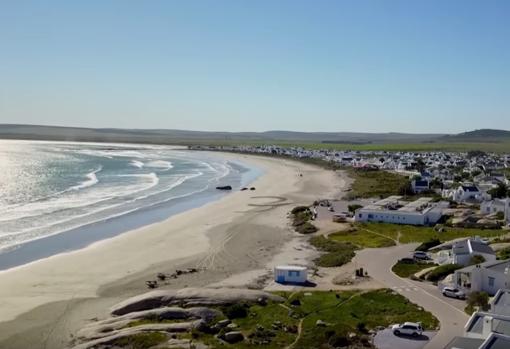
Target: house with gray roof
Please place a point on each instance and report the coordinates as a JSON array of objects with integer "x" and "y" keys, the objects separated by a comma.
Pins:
[
  {"x": 500, "y": 303},
  {"x": 493, "y": 341},
  {"x": 463, "y": 251},
  {"x": 488, "y": 277}
]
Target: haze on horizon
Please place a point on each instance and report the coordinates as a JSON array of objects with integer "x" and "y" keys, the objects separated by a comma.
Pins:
[{"x": 366, "y": 66}]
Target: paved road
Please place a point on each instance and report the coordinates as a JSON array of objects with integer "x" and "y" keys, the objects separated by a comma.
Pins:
[
  {"x": 378, "y": 263},
  {"x": 387, "y": 340}
]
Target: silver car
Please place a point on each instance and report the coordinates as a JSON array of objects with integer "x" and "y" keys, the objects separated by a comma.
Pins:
[
  {"x": 453, "y": 293},
  {"x": 407, "y": 328}
]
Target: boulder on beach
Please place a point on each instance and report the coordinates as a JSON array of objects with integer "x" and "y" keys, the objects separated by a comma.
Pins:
[
  {"x": 189, "y": 297},
  {"x": 233, "y": 337},
  {"x": 224, "y": 187}
]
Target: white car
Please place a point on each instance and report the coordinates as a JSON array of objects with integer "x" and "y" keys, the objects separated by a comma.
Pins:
[
  {"x": 407, "y": 328},
  {"x": 453, "y": 292}
]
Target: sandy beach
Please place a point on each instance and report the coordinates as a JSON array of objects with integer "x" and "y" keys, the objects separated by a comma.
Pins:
[{"x": 233, "y": 241}]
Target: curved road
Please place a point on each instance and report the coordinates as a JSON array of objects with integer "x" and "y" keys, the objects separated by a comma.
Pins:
[{"x": 379, "y": 261}]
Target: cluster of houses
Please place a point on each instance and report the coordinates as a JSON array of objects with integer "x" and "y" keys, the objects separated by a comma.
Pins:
[
  {"x": 465, "y": 178},
  {"x": 487, "y": 330}
]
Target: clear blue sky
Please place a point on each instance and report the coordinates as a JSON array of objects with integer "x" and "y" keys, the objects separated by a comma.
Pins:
[{"x": 409, "y": 66}]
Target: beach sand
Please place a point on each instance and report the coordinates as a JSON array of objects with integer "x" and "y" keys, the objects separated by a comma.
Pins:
[{"x": 234, "y": 241}]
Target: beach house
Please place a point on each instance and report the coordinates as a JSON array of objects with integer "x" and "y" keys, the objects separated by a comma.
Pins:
[
  {"x": 290, "y": 274},
  {"x": 488, "y": 277},
  {"x": 394, "y": 210}
]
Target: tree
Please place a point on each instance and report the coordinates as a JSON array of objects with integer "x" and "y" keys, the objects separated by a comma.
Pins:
[
  {"x": 478, "y": 299},
  {"x": 477, "y": 259},
  {"x": 501, "y": 191}
]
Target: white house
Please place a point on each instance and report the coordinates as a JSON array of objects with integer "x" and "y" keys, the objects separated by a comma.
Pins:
[
  {"x": 292, "y": 274},
  {"x": 495, "y": 206},
  {"x": 487, "y": 330},
  {"x": 463, "y": 251},
  {"x": 465, "y": 193},
  {"x": 488, "y": 276},
  {"x": 394, "y": 210},
  {"x": 500, "y": 303}
]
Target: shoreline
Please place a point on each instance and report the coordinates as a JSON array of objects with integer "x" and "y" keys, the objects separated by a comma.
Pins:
[
  {"x": 228, "y": 238},
  {"x": 86, "y": 235}
]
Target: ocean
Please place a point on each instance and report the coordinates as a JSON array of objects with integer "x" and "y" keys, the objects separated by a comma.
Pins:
[{"x": 61, "y": 196}]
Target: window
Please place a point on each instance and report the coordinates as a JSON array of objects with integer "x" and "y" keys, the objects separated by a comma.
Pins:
[
  {"x": 292, "y": 273},
  {"x": 491, "y": 281}
]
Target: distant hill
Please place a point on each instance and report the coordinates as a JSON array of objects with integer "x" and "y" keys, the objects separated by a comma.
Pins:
[
  {"x": 163, "y": 136},
  {"x": 482, "y": 135}
]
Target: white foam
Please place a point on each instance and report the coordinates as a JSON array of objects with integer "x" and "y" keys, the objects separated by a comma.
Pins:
[
  {"x": 90, "y": 181},
  {"x": 137, "y": 163},
  {"x": 165, "y": 165}
]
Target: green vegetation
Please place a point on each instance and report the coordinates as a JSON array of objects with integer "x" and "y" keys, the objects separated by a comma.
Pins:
[
  {"x": 477, "y": 259},
  {"x": 301, "y": 216},
  {"x": 427, "y": 245},
  {"x": 442, "y": 271},
  {"x": 336, "y": 253},
  {"x": 236, "y": 311},
  {"x": 325, "y": 318},
  {"x": 363, "y": 238},
  {"x": 353, "y": 208},
  {"x": 406, "y": 270},
  {"x": 503, "y": 253},
  {"x": 501, "y": 191},
  {"x": 377, "y": 184},
  {"x": 477, "y": 300},
  {"x": 409, "y": 233},
  {"x": 306, "y": 228},
  {"x": 141, "y": 340}
]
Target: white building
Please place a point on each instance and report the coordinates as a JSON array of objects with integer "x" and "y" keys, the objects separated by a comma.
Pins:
[
  {"x": 487, "y": 330},
  {"x": 465, "y": 193},
  {"x": 394, "y": 210},
  {"x": 488, "y": 277},
  {"x": 495, "y": 206},
  {"x": 291, "y": 274},
  {"x": 463, "y": 251}
]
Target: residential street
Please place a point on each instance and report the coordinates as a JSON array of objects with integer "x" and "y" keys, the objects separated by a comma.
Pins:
[{"x": 378, "y": 262}]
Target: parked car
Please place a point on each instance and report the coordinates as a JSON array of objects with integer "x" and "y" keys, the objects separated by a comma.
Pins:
[
  {"x": 407, "y": 328},
  {"x": 421, "y": 255},
  {"x": 453, "y": 292}
]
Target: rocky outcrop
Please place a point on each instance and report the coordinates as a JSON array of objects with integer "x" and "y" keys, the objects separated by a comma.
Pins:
[{"x": 189, "y": 297}]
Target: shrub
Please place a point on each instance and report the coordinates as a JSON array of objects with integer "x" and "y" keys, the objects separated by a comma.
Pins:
[
  {"x": 477, "y": 299},
  {"x": 354, "y": 207},
  {"x": 504, "y": 253},
  {"x": 236, "y": 311},
  {"x": 306, "y": 228},
  {"x": 299, "y": 209},
  {"x": 500, "y": 216},
  {"x": 442, "y": 271},
  {"x": 338, "y": 253},
  {"x": 428, "y": 245},
  {"x": 477, "y": 259}
]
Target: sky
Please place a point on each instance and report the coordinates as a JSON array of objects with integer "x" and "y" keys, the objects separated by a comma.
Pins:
[{"x": 435, "y": 66}]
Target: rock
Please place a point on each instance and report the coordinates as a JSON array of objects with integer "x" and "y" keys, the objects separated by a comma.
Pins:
[
  {"x": 232, "y": 326},
  {"x": 243, "y": 189},
  {"x": 223, "y": 323},
  {"x": 262, "y": 301},
  {"x": 295, "y": 302},
  {"x": 188, "y": 297},
  {"x": 233, "y": 337},
  {"x": 320, "y": 323},
  {"x": 252, "y": 188},
  {"x": 224, "y": 187}
]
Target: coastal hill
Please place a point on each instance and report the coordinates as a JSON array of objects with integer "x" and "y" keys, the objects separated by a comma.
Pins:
[{"x": 170, "y": 136}]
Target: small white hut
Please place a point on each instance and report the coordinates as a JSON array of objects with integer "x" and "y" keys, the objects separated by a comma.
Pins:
[{"x": 290, "y": 274}]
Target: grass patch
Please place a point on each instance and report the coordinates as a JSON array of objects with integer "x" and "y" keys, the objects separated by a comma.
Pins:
[
  {"x": 406, "y": 270},
  {"x": 141, "y": 340},
  {"x": 442, "y": 271},
  {"x": 503, "y": 253},
  {"x": 362, "y": 238},
  {"x": 336, "y": 253},
  {"x": 382, "y": 184},
  {"x": 301, "y": 216},
  {"x": 410, "y": 233},
  {"x": 343, "y": 312}
]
